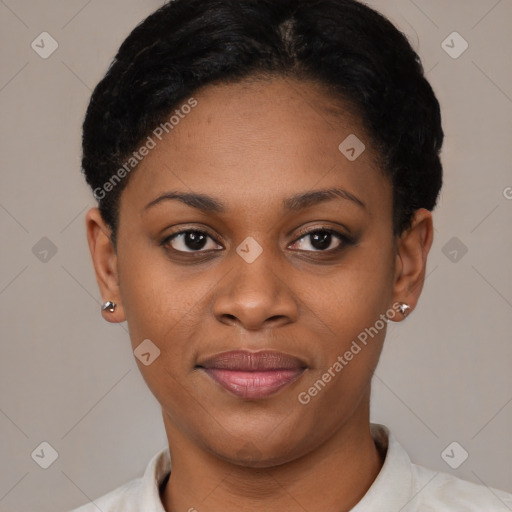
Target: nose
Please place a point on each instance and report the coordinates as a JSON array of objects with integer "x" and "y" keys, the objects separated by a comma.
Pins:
[{"x": 256, "y": 295}]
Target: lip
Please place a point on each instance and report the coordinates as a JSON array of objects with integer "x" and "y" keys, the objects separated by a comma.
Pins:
[{"x": 253, "y": 375}]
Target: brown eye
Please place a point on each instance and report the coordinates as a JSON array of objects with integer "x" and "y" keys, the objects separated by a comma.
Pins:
[
  {"x": 322, "y": 240},
  {"x": 191, "y": 241}
]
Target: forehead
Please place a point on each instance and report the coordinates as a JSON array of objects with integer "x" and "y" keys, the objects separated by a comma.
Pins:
[{"x": 259, "y": 138}]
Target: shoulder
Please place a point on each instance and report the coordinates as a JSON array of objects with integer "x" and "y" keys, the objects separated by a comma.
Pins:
[
  {"x": 402, "y": 485},
  {"x": 442, "y": 492},
  {"x": 139, "y": 494}
]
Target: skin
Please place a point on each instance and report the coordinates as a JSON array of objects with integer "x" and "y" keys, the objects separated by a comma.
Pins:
[{"x": 251, "y": 145}]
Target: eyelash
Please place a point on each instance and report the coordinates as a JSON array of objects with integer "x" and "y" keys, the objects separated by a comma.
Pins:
[{"x": 344, "y": 239}]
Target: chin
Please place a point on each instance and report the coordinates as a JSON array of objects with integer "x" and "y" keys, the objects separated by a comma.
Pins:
[{"x": 258, "y": 452}]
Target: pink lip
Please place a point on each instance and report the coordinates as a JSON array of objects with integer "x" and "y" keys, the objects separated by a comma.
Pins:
[{"x": 253, "y": 374}]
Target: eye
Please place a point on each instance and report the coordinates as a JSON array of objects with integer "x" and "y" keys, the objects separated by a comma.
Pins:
[
  {"x": 190, "y": 240},
  {"x": 322, "y": 240}
]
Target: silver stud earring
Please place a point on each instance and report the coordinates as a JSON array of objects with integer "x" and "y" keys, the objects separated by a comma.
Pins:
[
  {"x": 109, "y": 306},
  {"x": 404, "y": 309}
]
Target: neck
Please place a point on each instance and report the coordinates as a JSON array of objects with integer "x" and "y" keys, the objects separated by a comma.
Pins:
[{"x": 334, "y": 476}]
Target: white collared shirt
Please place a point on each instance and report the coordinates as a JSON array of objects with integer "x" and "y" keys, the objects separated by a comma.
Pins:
[{"x": 400, "y": 486}]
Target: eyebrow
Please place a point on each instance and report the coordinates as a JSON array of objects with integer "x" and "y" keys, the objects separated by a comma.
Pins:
[{"x": 294, "y": 203}]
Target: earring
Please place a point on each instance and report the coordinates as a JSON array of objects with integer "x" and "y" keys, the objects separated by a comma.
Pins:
[
  {"x": 404, "y": 309},
  {"x": 109, "y": 306}
]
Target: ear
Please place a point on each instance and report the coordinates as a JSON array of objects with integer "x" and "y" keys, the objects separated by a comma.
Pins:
[
  {"x": 411, "y": 259},
  {"x": 104, "y": 259}
]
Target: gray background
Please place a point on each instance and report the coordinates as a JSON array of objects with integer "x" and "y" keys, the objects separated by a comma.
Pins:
[{"x": 69, "y": 378}]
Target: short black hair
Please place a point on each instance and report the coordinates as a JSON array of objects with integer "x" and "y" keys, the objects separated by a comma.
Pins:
[{"x": 343, "y": 44}]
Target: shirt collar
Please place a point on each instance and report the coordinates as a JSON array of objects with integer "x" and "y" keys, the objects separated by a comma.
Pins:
[
  {"x": 156, "y": 473},
  {"x": 393, "y": 489}
]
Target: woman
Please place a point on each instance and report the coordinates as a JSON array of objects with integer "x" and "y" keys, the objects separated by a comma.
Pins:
[{"x": 266, "y": 172}]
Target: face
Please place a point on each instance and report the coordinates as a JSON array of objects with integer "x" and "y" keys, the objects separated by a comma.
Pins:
[{"x": 254, "y": 257}]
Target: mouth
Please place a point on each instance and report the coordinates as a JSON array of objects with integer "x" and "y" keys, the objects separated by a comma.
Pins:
[{"x": 253, "y": 375}]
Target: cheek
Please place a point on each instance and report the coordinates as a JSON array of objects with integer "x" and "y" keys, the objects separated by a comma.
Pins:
[
  {"x": 152, "y": 297},
  {"x": 161, "y": 309},
  {"x": 348, "y": 313},
  {"x": 165, "y": 305},
  {"x": 354, "y": 296}
]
